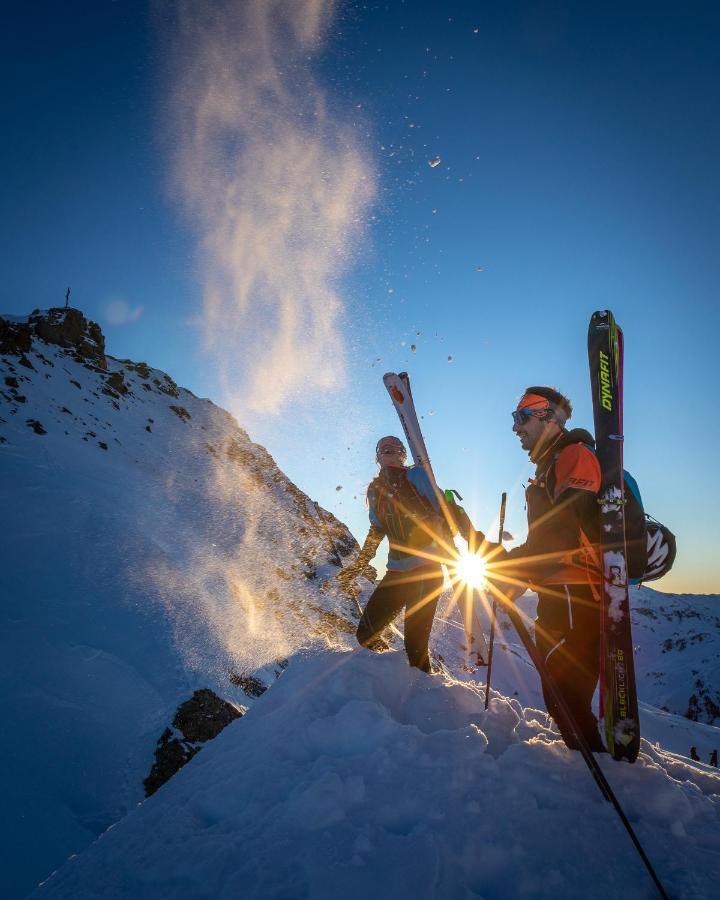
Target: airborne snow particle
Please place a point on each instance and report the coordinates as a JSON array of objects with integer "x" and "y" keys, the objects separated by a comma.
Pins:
[
  {"x": 434, "y": 209},
  {"x": 339, "y": 487},
  {"x": 480, "y": 269},
  {"x": 435, "y": 161},
  {"x": 413, "y": 347},
  {"x": 450, "y": 359}
]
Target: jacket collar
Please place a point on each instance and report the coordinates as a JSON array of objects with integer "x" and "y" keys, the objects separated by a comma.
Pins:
[{"x": 564, "y": 439}]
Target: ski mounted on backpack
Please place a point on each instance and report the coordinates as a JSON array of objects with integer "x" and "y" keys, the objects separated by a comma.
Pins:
[
  {"x": 618, "y": 692},
  {"x": 650, "y": 545}
]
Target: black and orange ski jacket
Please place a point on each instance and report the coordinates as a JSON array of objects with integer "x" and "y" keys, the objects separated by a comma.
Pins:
[{"x": 562, "y": 546}]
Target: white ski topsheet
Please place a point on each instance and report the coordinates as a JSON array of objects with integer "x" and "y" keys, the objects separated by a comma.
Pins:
[{"x": 398, "y": 386}]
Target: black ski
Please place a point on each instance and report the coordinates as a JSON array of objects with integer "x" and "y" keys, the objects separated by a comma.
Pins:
[{"x": 618, "y": 694}]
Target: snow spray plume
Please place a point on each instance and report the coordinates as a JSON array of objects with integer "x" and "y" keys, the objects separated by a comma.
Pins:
[
  {"x": 236, "y": 552},
  {"x": 275, "y": 186}
]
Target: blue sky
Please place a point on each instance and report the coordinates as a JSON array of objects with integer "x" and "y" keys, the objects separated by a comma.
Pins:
[{"x": 579, "y": 171}]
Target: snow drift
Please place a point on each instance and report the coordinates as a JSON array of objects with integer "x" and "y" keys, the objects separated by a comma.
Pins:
[{"x": 355, "y": 776}]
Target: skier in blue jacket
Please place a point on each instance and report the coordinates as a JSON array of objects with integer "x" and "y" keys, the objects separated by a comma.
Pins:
[{"x": 403, "y": 506}]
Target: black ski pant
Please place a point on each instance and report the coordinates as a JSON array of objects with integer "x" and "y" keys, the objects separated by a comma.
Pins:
[
  {"x": 571, "y": 655},
  {"x": 417, "y": 592}
]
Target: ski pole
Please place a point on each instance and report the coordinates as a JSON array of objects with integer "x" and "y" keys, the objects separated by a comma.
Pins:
[
  {"x": 503, "y": 501},
  {"x": 592, "y": 764}
]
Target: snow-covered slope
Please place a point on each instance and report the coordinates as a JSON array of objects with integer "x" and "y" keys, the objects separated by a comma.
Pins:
[
  {"x": 149, "y": 548},
  {"x": 356, "y": 777}
]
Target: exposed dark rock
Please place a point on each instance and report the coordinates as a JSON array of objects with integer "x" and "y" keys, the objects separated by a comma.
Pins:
[
  {"x": 701, "y": 706},
  {"x": 102, "y": 445},
  {"x": 36, "y": 426},
  {"x": 197, "y": 720},
  {"x": 117, "y": 383},
  {"x": 11, "y": 382},
  {"x": 15, "y": 338},
  {"x": 167, "y": 386},
  {"x": 70, "y": 328},
  {"x": 76, "y": 383},
  {"x": 249, "y": 684},
  {"x": 181, "y": 413},
  {"x": 66, "y": 328},
  {"x": 143, "y": 369}
]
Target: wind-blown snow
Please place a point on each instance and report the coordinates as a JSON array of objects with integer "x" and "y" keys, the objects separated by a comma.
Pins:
[{"x": 356, "y": 777}]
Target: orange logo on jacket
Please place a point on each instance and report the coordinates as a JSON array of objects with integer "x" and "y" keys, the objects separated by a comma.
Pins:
[{"x": 576, "y": 467}]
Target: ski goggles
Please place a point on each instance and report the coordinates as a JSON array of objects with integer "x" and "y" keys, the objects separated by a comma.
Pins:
[{"x": 531, "y": 405}]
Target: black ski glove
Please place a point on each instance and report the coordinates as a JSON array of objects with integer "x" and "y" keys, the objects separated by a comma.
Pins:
[{"x": 482, "y": 544}]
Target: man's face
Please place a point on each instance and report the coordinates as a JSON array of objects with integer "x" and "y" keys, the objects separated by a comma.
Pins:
[{"x": 535, "y": 432}]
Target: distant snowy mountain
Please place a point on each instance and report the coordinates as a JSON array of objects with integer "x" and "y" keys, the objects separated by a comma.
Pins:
[
  {"x": 678, "y": 652},
  {"x": 158, "y": 573}
]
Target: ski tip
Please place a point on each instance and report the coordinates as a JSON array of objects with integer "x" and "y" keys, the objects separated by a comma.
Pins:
[{"x": 602, "y": 317}]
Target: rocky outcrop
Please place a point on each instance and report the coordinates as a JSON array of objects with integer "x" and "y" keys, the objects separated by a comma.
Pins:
[
  {"x": 15, "y": 338},
  {"x": 701, "y": 705},
  {"x": 66, "y": 328},
  {"x": 197, "y": 720}
]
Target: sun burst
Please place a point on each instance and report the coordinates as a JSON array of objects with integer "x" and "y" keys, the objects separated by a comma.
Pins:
[{"x": 470, "y": 569}]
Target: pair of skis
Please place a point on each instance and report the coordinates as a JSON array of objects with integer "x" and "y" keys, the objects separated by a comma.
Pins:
[{"x": 398, "y": 387}]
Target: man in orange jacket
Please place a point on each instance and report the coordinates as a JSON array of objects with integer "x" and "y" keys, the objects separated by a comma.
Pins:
[{"x": 560, "y": 558}]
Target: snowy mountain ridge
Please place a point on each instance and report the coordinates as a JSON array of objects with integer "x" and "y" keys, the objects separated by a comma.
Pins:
[
  {"x": 151, "y": 550},
  {"x": 155, "y": 553}
]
